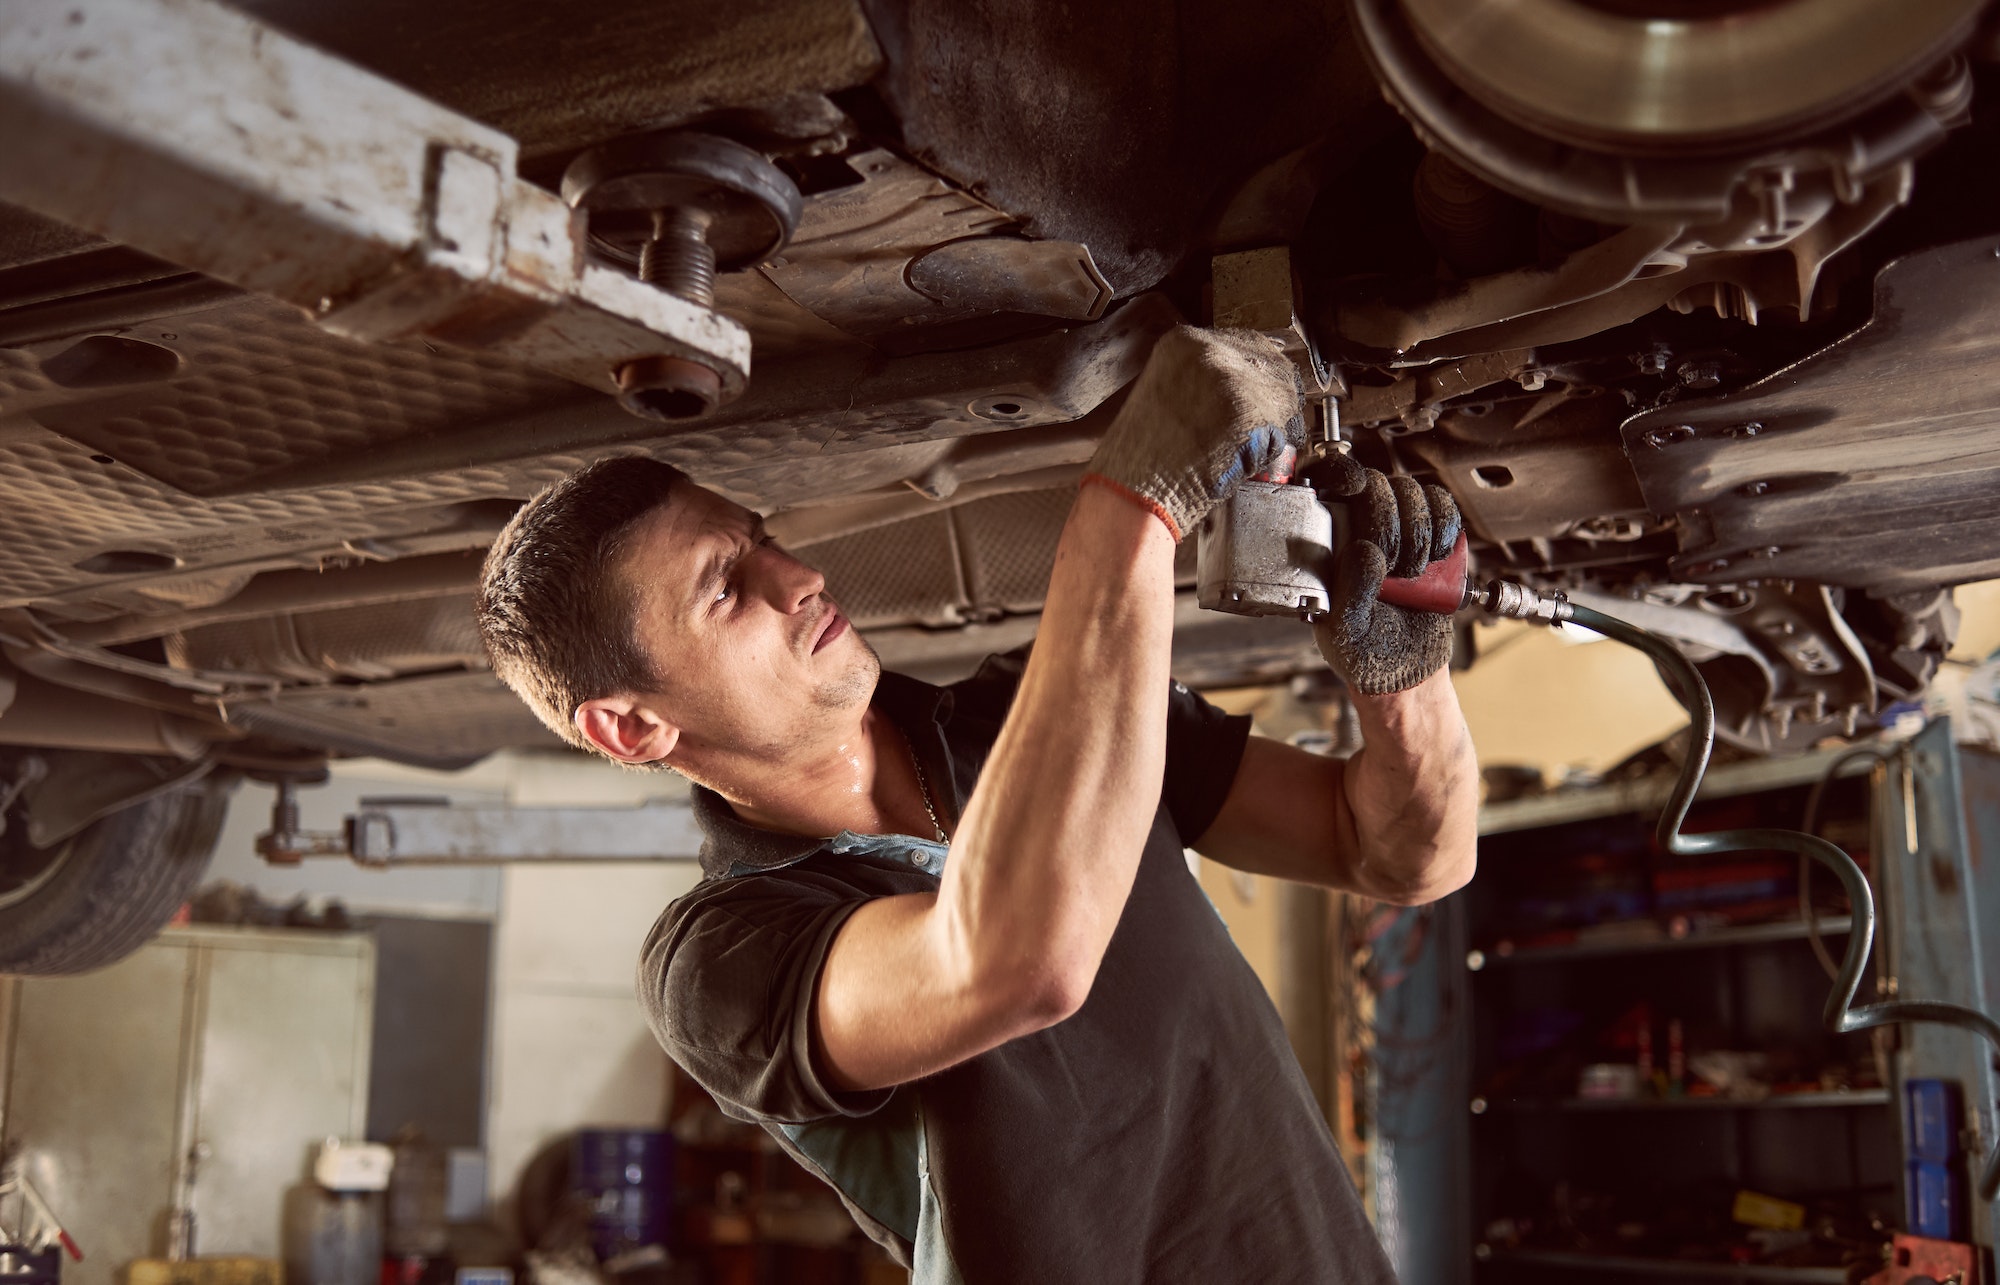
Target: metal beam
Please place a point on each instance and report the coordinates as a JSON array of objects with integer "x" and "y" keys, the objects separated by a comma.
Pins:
[
  {"x": 404, "y": 832},
  {"x": 198, "y": 134}
]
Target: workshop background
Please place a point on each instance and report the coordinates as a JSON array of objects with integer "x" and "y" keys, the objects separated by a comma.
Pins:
[{"x": 217, "y": 1092}]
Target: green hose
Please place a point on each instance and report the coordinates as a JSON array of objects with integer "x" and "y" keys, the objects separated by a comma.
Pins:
[{"x": 1841, "y": 1015}]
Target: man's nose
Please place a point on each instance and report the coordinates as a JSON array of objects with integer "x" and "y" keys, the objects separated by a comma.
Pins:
[{"x": 792, "y": 584}]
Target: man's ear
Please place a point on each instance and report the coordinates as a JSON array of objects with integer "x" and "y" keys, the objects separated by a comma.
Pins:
[{"x": 626, "y": 729}]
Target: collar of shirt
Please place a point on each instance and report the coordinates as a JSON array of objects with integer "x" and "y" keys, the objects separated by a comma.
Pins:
[{"x": 732, "y": 846}]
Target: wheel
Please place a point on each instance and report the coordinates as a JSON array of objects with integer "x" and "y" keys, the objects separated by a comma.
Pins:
[{"x": 97, "y": 896}]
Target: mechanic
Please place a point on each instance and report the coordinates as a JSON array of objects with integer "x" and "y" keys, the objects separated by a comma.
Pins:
[{"x": 947, "y": 948}]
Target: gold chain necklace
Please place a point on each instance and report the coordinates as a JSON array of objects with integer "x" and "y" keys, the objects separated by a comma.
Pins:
[{"x": 924, "y": 788}]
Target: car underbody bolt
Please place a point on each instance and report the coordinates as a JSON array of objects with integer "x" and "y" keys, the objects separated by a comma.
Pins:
[
  {"x": 668, "y": 387},
  {"x": 678, "y": 258},
  {"x": 1699, "y": 374},
  {"x": 675, "y": 208}
]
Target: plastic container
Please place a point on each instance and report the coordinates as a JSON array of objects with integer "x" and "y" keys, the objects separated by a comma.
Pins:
[
  {"x": 415, "y": 1218},
  {"x": 627, "y": 1175},
  {"x": 332, "y": 1238},
  {"x": 1934, "y": 1184}
]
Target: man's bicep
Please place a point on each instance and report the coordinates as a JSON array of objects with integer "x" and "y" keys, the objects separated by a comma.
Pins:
[
  {"x": 897, "y": 1002},
  {"x": 1284, "y": 816}
]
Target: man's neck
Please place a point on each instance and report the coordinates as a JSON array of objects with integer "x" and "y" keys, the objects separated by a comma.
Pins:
[{"x": 862, "y": 778}]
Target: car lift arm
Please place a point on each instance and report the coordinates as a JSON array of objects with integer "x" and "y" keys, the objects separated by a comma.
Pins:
[{"x": 200, "y": 135}]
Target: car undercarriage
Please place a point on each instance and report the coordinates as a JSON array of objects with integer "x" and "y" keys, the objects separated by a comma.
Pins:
[{"x": 1687, "y": 302}]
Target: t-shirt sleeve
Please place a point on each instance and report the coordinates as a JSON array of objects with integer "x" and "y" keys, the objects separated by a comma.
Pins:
[
  {"x": 1204, "y": 749},
  {"x": 728, "y": 979}
]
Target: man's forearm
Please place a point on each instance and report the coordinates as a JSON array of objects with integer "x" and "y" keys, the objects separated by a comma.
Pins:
[
  {"x": 1413, "y": 794},
  {"x": 1050, "y": 843}
]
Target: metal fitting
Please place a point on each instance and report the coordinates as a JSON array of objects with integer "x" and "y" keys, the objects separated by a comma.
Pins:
[
  {"x": 677, "y": 208},
  {"x": 668, "y": 388},
  {"x": 1514, "y": 601},
  {"x": 677, "y": 258}
]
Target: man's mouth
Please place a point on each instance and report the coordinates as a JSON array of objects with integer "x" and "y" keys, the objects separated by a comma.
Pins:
[{"x": 833, "y": 627}]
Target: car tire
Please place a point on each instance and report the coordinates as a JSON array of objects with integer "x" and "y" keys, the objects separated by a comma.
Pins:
[{"x": 97, "y": 896}]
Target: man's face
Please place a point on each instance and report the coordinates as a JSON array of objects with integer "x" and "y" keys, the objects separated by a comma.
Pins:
[{"x": 751, "y": 653}]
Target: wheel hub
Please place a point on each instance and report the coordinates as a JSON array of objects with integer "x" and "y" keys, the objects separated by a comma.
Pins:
[{"x": 1684, "y": 75}]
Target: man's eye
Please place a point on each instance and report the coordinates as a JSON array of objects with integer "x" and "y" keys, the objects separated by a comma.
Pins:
[{"x": 722, "y": 594}]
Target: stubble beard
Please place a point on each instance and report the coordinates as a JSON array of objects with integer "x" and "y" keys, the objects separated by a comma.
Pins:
[{"x": 854, "y": 685}]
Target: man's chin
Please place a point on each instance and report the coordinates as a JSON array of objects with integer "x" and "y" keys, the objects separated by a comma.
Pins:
[{"x": 853, "y": 686}]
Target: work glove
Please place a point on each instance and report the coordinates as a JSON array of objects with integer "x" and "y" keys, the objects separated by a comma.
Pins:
[
  {"x": 1399, "y": 527},
  {"x": 1211, "y": 408}
]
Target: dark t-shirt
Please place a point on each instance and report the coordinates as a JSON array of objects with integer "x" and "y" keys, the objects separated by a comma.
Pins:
[{"x": 1163, "y": 1133}]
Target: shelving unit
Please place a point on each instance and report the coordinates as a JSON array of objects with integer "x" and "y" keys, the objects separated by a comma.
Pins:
[
  {"x": 1645, "y": 797},
  {"x": 1776, "y": 1102},
  {"x": 1744, "y": 935},
  {"x": 1677, "y": 1269},
  {"x": 1486, "y": 1165},
  {"x": 1552, "y": 980}
]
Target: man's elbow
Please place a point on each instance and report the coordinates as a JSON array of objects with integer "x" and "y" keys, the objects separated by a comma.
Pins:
[
  {"x": 1431, "y": 878},
  {"x": 1027, "y": 996}
]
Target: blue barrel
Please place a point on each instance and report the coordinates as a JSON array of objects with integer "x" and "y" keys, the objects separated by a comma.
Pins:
[{"x": 627, "y": 1175}]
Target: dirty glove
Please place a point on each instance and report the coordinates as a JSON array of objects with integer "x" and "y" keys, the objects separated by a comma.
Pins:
[
  {"x": 1211, "y": 408},
  {"x": 1399, "y": 528}
]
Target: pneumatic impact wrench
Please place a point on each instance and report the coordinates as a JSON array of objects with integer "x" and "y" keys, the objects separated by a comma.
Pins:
[{"x": 1269, "y": 550}]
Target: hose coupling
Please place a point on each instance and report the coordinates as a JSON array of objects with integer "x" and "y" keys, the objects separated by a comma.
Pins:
[{"x": 1512, "y": 600}]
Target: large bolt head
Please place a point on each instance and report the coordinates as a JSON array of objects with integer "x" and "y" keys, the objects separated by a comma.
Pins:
[{"x": 668, "y": 388}]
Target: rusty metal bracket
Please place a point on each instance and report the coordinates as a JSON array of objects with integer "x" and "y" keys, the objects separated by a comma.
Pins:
[
  {"x": 1258, "y": 290},
  {"x": 198, "y": 134}
]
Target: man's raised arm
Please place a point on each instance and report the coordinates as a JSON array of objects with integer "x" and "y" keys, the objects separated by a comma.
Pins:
[
  {"x": 1399, "y": 821},
  {"x": 1050, "y": 842}
]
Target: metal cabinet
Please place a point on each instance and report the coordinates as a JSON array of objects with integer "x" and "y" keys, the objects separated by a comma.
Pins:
[{"x": 235, "y": 1050}]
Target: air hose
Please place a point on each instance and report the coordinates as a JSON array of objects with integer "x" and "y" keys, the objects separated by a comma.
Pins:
[{"x": 1842, "y": 1016}]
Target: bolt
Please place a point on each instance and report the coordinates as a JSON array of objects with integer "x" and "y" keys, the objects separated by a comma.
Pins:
[
  {"x": 678, "y": 258},
  {"x": 1667, "y": 435},
  {"x": 1746, "y": 430},
  {"x": 1946, "y": 89},
  {"x": 1753, "y": 488},
  {"x": 680, "y": 206},
  {"x": 1420, "y": 419},
  {"x": 1531, "y": 381},
  {"x": 1699, "y": 374},
  {"x": 668, "y": 388},
  {"x": 1652, "y": 363}
]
